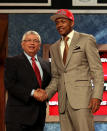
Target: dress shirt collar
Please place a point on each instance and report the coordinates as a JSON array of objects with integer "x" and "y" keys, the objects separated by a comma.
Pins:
[
  {"x": 70, "y": 35},
  {"x": 29, "y": 57}
]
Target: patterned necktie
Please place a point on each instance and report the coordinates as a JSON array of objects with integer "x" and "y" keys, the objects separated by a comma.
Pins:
[
  {"x": 36, "y": 70},
  {"x": 65, "y": 50}
]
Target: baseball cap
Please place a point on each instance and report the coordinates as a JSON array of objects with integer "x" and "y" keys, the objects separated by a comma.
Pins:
[{"x": 63, "y": 13}]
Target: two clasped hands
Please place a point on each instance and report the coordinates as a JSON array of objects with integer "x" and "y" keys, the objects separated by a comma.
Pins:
[{"x": 40, "y": 95}]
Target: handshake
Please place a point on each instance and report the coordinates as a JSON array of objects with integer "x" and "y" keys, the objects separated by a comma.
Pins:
[{"x": 40, "y": 95}]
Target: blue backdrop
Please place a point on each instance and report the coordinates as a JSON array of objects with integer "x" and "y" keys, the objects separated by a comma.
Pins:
[{"x": 95, "y": 24}]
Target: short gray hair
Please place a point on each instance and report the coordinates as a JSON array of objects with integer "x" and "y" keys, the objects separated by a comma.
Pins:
[{"x": 31, "y": 32}]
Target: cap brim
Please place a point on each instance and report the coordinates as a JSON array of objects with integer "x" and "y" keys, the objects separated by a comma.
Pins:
[{"x": 54, "y": 17}]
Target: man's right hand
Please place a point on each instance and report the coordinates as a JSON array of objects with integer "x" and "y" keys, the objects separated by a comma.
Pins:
[{"x": 40, "y": 95}]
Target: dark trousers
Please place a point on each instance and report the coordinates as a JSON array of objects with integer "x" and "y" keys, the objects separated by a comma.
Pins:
[
  {"x": 38, "y": 126},
  {"x": 20, "y": 127}
]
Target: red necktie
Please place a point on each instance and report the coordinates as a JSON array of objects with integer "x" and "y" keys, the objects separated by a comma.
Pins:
[
  {"x": 65, "y": 50},
  {"x": 36, "y": 70}
]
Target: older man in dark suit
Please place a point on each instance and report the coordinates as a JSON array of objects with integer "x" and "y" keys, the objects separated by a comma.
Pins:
[{"x": 22, "y": 81}]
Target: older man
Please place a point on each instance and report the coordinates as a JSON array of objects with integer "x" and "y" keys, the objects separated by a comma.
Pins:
[{"x": 24, "y": 74}]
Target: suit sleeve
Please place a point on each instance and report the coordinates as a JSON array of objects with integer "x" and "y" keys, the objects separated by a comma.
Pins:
[
  {"x": 12, "y": 83},
  {"x": 52, "y": 88},
  {"x": 47, "y": 74},
  {"x": 95, "y": 65}
]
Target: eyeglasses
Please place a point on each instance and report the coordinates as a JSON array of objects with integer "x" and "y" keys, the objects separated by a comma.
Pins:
[{"x": 34, "y": 41}]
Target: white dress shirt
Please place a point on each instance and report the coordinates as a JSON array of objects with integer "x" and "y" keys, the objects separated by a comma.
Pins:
[
  {"x": 37, "y": 62},
  {"x": 62, "y": 44},
  {"x": 39, "y": 66}
]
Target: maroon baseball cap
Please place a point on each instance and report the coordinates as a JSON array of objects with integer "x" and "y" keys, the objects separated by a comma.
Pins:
[{"x": 63, "y": 13}]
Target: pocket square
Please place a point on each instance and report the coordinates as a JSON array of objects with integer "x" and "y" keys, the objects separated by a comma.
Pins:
[{"x": 77, "y": 48}]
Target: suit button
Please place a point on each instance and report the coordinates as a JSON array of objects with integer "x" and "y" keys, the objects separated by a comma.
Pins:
[{"x": 65, "y": 71}]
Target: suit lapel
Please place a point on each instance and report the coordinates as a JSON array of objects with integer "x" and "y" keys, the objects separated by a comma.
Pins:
[
  {"x": 60, "y": 60},
  {"x": 72, "y": 46},
  {"x": 28, "y": 67}
]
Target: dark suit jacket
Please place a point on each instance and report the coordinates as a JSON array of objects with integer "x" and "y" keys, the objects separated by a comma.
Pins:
[{"x": 20, "y": 79}]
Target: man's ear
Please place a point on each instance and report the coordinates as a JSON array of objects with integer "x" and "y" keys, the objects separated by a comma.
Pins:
[
  {"x": 39, "y": 46},
  {"x": 72, "y": 24}
]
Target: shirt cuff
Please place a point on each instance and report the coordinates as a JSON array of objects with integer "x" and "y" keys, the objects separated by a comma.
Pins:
[{"x": 32, "y": 92}]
